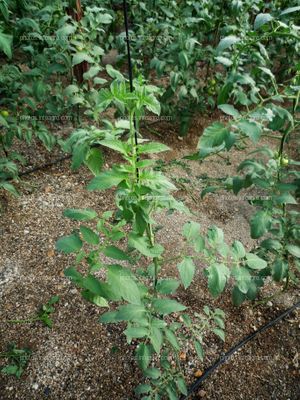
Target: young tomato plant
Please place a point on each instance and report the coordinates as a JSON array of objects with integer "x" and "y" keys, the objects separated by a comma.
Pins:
[
  {"x": 18, "y": 359},
  {"x": 275, "y": 177},
  {"x": 156, "y": 322}
]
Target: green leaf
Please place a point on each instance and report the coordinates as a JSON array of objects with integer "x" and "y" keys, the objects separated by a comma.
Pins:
[
  {"x": 78, "y": 214},
  {"x": 260, "y": 223},
  {"x": 251, "y": 129},
  {"x": 6, "y": 44},
  {"x": 217, "y": 278},
  {"x": 109, "y": 317},
  {"x": 166, "y": 306},
  {"x": 220, "y": 333},
  {"x": 290, "y": 10},
  {"x": 78, "y": 58},
  {"x": 10, "y": 369},
  {"x": 229, "y": 110},
  {"x": 115, "y": 144},
  {"x": 131, "y": 312},
  {"x": 143, "y": 355},
  {"x": 224, "y": 60},
  {"x": 213, "y": 139},
  {"x": 136, "y": 332},
  {"x": 219, "y": 321},
  {"x": 262, "y": 19},
  {"x": 237, "y": 296},
  {"x": 255, "y": 262},
  {"x": 74, "y": 275},
  {"x": 243, "y": 278},
  {"x": 167, "y": 286},
  {"x": 227, "y": 42},
  {"x": 180, "y": 382},
  {"x": 69, "y": 244},
  {"x": 187, "y": 271},
  {"x": 293, "y": 250},
  {"x": 199, "y": 349},
  {"x": 279, "y": 270},
  {"x": 115, "y": 74},
  {"x": 191, "y": 230},
  {"x": 142, "y": 244},
  {"x": 142, "y": 389},
  {"x": 93, "y": 285},
  {"x": 238, "y": 249},
  {"x": 153, "y": 373},
  {"x": 285, "y": 198},
  {"x": 172, "y": 339},
  {"x": 153, "y": 147},
  {"x": 152, "y": 104},
  {"x": 183, "y": 59},
  {"x": 89, "y": 236},
  {"x": 99, "y": 301},
  {"x": 94, "y": 161},
  {"x": 115, "y": 253},
  {"x": 122, "y": 282},
  {"x": 156, "y": 339},
  {"x": 106, "y": 180},
  {"x": 10, "y": 188}
]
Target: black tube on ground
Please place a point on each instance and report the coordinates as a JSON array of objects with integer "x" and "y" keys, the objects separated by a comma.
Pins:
[{"x": 222, "y": 359}]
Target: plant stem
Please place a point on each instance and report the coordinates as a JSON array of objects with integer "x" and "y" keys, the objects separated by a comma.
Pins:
[{"x": 150, "y": 235}]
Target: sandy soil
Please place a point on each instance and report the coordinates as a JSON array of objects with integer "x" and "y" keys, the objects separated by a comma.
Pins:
[{"x": 82, "y": 359}]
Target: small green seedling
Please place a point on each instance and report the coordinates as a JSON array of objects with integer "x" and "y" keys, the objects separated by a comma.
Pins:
[
  {"x": 17, "y": 358},
  {"x": 43, "y": 314}
]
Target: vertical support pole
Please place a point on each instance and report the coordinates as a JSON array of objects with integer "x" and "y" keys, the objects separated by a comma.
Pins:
[{"x": 130, "y": 73}]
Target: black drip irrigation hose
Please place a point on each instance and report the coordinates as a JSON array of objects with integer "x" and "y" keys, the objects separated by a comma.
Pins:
[
  {"x": 222, "y": 359},
  {"x": 40, "y": 167},
  {"x": 44, "y": 166}
]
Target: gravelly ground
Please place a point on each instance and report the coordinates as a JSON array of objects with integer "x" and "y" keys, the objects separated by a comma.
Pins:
[{"x": 76, "y": 359}]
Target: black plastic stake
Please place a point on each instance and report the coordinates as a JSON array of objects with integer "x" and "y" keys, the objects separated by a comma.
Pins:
[{"x": 129, "y": 58}]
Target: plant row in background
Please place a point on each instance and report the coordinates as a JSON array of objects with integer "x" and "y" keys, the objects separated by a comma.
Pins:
[{"x": 197, "y": 53}]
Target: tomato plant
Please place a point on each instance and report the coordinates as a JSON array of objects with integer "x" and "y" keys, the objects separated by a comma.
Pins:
[{"x": 150, "y": 307}]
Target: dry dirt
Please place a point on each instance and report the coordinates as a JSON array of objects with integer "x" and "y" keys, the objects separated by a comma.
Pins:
[{"x": 82, "y": 359}]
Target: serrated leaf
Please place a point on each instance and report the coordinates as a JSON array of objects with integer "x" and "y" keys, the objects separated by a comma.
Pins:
[
  {"x": 167, "y": 286},
  {"x": 199, "y": 349},
  {"x": 143, "y": 355},
  {"x": 187, "y": 271},
  {"x": 167, "y": 306},
  {"x": 229, "y": 110},
  {"x": 115, "y": 253},
  {"x": 251, "y": 129},
  {"x": 255, "y": 262},
  {"x": 6, "y": 44},
  {"x": 94, "y": 161},
  {"x": 293, "y": 250},
  {"x": 79, "y": 214},
  {"x": 220, "y": 333},
  {"x": 217, "y": 278},
  {"x": 262, "y": 19},
  {"x": 106, "y": 180},
  {"x": 89, "y": 235},
  {"x": 260, "y": 223},
  {"x": 227, "y": 42},
  {"x": 69, "y": 244}
]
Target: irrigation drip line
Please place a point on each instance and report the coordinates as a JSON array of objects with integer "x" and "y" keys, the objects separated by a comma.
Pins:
[
  {"x": 43, "y": 166},
  {"x": 222, "y": 359}
]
